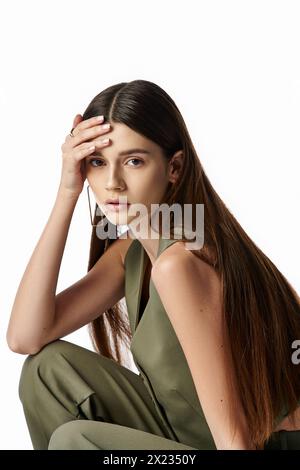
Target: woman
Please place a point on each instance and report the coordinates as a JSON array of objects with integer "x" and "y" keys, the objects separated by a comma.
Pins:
[{"x": 211, "y": 329}]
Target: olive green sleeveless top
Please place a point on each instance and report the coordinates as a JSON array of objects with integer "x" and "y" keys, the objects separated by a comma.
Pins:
[{"x": 159, "y": 357}]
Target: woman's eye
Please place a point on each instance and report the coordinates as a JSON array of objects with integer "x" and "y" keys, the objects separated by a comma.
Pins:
[
  {"x": 135, "y": 159},
  {"x": 97, "y": 160},
  {"x": 94, "y": 160}
]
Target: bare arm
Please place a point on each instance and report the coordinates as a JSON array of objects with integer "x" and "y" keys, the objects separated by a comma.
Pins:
[
  {"x": 34, "y": 305},
  {"x": 33, "y": 312},
  {"x": 191, "y": 294}
]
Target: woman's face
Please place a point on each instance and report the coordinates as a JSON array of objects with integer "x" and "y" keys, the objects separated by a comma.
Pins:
[{"x": 142, "y": 178}]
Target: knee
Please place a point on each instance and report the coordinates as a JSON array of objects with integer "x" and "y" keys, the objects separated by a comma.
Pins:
[
  {"x": 34, "y": 363},
  {"x": 65, "y": 436}
]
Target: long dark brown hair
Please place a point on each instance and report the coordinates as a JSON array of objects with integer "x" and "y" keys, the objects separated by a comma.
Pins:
[{"x": 261, "y": 310}]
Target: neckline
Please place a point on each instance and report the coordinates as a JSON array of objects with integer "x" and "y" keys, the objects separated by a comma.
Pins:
[{"x": 141, "y": 277}]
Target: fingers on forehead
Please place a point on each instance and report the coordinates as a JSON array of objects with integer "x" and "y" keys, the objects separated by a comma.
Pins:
[{"x": 89, "y": 122}]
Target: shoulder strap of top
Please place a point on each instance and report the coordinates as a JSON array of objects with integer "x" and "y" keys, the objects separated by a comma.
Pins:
[
  {"x": 164, "y": 243},
  {"x": 136, "y": 248}
]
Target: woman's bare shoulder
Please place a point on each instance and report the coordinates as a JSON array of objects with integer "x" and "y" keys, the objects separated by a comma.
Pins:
[
  {"x": 179, "y": 250},
  {"x": 177, "y": 255}
]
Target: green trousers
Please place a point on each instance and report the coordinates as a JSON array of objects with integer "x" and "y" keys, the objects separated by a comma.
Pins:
[{"x": 74, "y": 398}]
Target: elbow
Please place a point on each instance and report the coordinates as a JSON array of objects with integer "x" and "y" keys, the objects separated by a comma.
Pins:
[
  {"x": 240, "y": 441},
  {"x": 17, "y": 347}
]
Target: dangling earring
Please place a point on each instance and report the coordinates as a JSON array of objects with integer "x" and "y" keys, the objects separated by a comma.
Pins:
[{"x": 101, "y": 222}]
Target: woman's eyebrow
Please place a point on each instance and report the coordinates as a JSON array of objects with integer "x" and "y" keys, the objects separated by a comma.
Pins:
[{"x": 127, "y": 152}]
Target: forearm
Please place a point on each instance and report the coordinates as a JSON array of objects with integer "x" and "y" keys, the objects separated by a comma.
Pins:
[{"x": 34, "y": 305}]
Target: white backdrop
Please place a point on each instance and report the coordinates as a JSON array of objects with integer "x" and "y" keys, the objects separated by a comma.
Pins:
[{"x": 233, "y": 69}]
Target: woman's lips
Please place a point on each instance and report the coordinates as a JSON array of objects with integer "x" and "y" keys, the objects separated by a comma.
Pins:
[{"x": 117, "y": 207}]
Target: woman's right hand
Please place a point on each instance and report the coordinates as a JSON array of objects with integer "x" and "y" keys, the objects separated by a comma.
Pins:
[{"x": 76, "y": 149}]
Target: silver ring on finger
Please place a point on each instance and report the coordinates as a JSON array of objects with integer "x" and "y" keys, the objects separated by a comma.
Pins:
[{"x": 71, "y": 133}]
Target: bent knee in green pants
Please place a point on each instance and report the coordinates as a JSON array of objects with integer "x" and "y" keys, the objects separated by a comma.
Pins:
[
  {"x": 92, "y": 435},
  {"x": 65, "y": 387}
]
